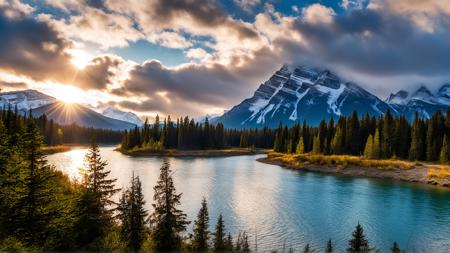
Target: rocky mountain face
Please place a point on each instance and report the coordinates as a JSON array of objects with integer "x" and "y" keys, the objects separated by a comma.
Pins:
[
  {"x": 123, "y": 116},
  {"x": 25, "y": 100},
  {"x": 295, "y": 94},
  {"x": 423, "y": 101}
]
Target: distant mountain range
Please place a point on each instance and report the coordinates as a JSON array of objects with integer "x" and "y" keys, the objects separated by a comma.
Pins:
[
  {"x": 64, "y": 114},
  {"x": 297, "y": 93}
]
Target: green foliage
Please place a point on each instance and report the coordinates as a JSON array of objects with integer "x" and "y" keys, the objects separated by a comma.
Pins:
[
  {"x": 329, "y": 248},
  {"x": 167, "y": 221},
  {"x": 358, "y": 243},
  {"x": 395, "y": 248},
  {"x": 132, "y": 216},
  {"x": 444, "y": 156},
  {"x": 201, "y": 232},
  {"x": 316, "y": 145},
  {"x": 186, "y": 134},
  {"x": 300, "y": 146},
  {"x": 95, "y": 214},
  {"x": 219, "y": 235}
]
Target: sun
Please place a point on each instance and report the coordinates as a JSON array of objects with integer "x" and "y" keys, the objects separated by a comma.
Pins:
[{"x": 79, "y": 58}]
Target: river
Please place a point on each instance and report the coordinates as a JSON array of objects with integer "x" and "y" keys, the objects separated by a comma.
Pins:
[{"x": 285, "y": 208}]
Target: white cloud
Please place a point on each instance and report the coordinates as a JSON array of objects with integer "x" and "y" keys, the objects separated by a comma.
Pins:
[{"x": 317, "y": 13}]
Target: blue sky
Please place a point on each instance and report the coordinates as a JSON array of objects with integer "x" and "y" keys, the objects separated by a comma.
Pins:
[{"x": 193, "y": 57}]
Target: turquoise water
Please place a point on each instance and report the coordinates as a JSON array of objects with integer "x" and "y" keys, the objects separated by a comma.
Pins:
[{"x": 280, "y": 207}]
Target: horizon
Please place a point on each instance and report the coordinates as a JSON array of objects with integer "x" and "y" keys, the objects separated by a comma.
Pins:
[{"x": 210, "y": 55}]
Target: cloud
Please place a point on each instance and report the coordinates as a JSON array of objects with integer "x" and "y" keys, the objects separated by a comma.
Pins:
[
  {"x": 317, "y": 13},
  {"x": 12, "y": 85},
  {"x": 30, "y": 47},
  {"x": 247, "y": 5}
]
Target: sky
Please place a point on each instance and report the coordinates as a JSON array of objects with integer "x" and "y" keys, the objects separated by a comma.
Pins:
[{"x": 197, "y": 57}]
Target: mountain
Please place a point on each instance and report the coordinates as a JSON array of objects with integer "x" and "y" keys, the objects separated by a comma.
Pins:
[
  {"x": 294, "y": 94},
  {"x": 210, "y": 117},
  {"x": 25, "y": 99},
  {"x": 422, "y": 101},
  {"x": 65, "y": 114},
  {"x": 123, "y": 116}
]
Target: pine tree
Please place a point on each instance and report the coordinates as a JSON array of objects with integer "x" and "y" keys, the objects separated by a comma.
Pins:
[
  {"x": 416, "y": 151},
  {"x": 219, "y": 236},
  {"x": 316, "y": 145},
  {"x": 329, "y": 248},
  {"x": 358, "y": 243},
  {"x": 229, "y": 243},
  {"x": 132, "y": 216},
  {"x": 35, "y": 203},
  {"x": 167, "y": 221},
  {"x": 376, "y": 150},
  {"x": 245, "y": 245},
  {"x": 444, "y": 156},
  {"x": 94, "y": 206},
  {"x": 307, "y": 249},
  {"x": 201, "y": 232},
  {"x": 395, "y": 248},
  {"x": 368, "y": 150},
  {"x": 300, "y": 146},
  {"x": 338, "y": 141}
]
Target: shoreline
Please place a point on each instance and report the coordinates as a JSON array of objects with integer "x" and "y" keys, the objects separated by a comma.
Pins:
[
  {"x": 193, "y": 153},
  {"x": 419, "y": 174}
]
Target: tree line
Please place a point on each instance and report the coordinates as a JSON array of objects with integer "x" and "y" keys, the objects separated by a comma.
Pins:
[
  {"x": 185, "y": 133},
  {"x": 375, "y": 138},
  {"x": 43, "y": 210},
  {"x": 55, "y": 134}
]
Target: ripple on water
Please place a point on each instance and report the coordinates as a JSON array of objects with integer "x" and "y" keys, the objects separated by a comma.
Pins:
[{"x": 291, "y": 208}]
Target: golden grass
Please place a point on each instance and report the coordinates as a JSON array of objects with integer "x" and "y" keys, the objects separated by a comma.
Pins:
[
  {"x": 441, "y": 172},
  {"x": 342, "y": 161},
  {"x": 56, "y": 149}
]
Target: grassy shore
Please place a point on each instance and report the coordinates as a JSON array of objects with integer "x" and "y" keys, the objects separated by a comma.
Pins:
[
  {"x": 434, "y": 174},
  {"x": 56, "y": 149},
  {"x": 192, "y": 153}
]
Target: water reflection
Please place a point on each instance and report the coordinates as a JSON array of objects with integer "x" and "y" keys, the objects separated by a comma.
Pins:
[{"x": 288, "y": 207}]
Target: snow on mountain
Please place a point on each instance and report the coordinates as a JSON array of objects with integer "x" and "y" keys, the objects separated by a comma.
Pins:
[
  {"x": 123, "y": 116},
  {"x": 399, "y": 98},
  {"x": 297, "y": 93},
  {"x": 422, "y": 101},
  {"x": 25, "y": 99}
]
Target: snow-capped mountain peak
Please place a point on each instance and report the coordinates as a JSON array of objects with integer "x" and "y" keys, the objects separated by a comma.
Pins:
[
  {"x": 297, "y": 93},
  {"x": 444, "y": 91},
  {"x": 25, "y": 99},
  {"x": 399, "y": 98},
  {"x": 121, "y": 115}
]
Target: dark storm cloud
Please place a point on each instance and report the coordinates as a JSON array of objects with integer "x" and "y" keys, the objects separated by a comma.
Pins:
[
  {"x": 194, "y": 82},
  {"x": 205, "y": 13},
  {"x": 31, "y": 47},
  {"x": 376, "y": 42}
]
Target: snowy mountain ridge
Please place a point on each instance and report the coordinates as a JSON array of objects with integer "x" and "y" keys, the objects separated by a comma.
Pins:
[
  {"x": 302, "y": 93},
  {"x": 123, "y": 116},
  {"x": 25, "y": 99}
]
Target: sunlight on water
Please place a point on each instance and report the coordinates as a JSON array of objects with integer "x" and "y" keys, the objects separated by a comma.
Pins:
[{"x": 73, "y": 161}]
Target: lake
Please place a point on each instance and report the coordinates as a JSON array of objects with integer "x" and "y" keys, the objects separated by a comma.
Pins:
[{"x": 290, "y": 208}]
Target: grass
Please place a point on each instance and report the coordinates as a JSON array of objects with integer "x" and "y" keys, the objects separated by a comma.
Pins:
[
  {"x": 56, "y": 149},
  {"x": 439, "y": 172},
  {"x": 341, "y": 161},
  {"x": 194, "y": 153}
]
